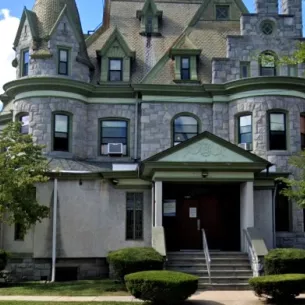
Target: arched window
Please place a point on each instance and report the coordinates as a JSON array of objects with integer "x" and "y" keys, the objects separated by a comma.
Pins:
[
  {"x": 24, "y": 119},
  {"x": 185, "y": 127},
  {"x": 267, "y": 64}
]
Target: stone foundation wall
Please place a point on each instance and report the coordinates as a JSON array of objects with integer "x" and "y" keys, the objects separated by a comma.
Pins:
[
  {"x": 35, "y": 269},
  {"x": 290, "y": 240}
]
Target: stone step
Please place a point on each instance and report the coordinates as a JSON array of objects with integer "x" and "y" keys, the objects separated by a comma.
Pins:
[
  {"x": 224, "y": 273},
  {"x": 218, "y": 260},
  {"x": 189, "y": 265},
  {"x": 227, "y": 287},
  {"x": 238, "y": 279}
]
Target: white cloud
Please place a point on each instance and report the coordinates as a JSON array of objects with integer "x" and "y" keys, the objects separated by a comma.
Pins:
[{"x": 8, "y": 29}]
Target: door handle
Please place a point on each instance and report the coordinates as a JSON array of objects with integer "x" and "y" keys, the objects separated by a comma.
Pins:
[{"x": 198, "y": 224}]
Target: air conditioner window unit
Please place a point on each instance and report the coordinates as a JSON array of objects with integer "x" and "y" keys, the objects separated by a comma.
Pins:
[
  {"x": 115, "y": 149},
  {"x": 245, "y": 146}
]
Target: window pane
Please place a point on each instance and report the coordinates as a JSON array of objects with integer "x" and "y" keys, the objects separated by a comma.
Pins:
[
  {"x": 245, "y": 120},
  {"x": 61, "y": 123},
  {"x": 244, "y": 70},
  {"x": 180, "y": 137},
  {"x": 277, "y": 140},
  {"x": 110, "y": 132},
  {"x": 277, "y": 121},
  {"x": 246, "y": 138},
  {"x": 222, "y": 12},
  {"x": 185, "y": 74},
  {"x": 63, "y": 68},
  {"x": 268, "y": 61},
  {"x": 185, "y": 63},
  {"x": 282, "y": 213},
  {"x": 114, "y": 124},
  {"x": 25, "y": 124},
  {"x": 115, "y": 64},
  {"x": 19, "y": 232},
  {"x": 26, "y": 57},
  {"x": 185, "y": 120},
  {"x": 267, "y": 72},
  {"x": 115, "y": 76},
  {"x": 134, "y": 215},
  {"x": 246, "y": 129},
  {"x": 63, "y": 55}
]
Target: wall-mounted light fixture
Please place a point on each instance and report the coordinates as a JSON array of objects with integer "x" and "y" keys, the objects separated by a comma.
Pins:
[
  {"x": 204, "y": 174},
  {"x": 115, "y": 181}
]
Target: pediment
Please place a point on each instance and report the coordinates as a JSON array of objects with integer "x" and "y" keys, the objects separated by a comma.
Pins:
[{"x": 207, "y": 148}]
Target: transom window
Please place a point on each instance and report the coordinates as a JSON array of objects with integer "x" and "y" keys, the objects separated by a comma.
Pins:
[
  {"x": 115, "y": 70},
  {"x": 277, "y": 131},
  {"x": 63, "y": 62},
  {"x": 267, "y": 64},
  {"x": 113, "y": 132},
  {"x": 185, "y": 127},
  {"x": 245, "y": 130},
  {"x": 24, "y": 120},
  {"x": 222, "y": 12},
  {"x": 302, "y": 129},
  {"x": 185, "y": 68},
  {"x": 134, "y": 216},
  {"x": 25, "y": 62},
  {"x": 61, "y": 132},
  {"x": 267, "y": 27}
]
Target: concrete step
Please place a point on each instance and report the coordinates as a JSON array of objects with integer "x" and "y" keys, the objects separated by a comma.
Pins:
[
  {"x": 227, "y": 287},
  {"x": 225, "y": 273},
  {"x": 214, "y": 261},
  {"x": 216, "y": 267},
  {"x": 238, "y": 279}
]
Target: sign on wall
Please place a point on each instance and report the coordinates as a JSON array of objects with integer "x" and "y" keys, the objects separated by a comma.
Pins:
[
  {"x": 169, "y": 208},
  {"x": 193, "y": 212}
]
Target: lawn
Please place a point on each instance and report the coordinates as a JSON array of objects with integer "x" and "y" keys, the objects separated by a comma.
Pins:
[
  {"x": 65, "y": 303},
  {"x": 79, "y": 288}
]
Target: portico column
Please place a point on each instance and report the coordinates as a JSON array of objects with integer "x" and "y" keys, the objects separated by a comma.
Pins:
[
  {"x": 246, "y": 209},
  {"x": 158, "y": 203}
]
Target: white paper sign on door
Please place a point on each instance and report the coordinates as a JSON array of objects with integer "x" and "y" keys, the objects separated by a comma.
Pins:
[
  {"x": 193, "y": 212},
  {"x": 169, "y": 208}
]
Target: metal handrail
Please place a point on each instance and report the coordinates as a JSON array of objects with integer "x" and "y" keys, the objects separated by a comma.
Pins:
[
  {"x": 252, "y": 254},
  {"x": 206, "y": 253}
]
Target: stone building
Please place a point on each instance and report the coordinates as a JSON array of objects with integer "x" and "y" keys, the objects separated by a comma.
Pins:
[{"x": 172, "y": 117}]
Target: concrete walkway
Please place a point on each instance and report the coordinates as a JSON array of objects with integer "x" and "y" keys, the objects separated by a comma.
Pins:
[{"x": 200, "y": 298}]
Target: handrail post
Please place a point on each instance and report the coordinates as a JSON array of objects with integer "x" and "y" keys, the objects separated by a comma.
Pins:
[{"x": 206, "y": 254}]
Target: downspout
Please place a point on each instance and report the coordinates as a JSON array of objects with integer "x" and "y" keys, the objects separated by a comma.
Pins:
[
  {"x": 135, "y": 155},
  {"x": 273, "y": 215},
  {"x": 54, "y": 231}
]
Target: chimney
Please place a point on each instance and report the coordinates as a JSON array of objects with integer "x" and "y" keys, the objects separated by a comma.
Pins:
[
  {"x": 269, "y": 7},
  {"x": 294, "y": 7}
]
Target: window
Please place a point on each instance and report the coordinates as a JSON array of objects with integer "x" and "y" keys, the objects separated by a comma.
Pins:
[
  {"x": 277, "y": 131},
  {"x": 115, "y": 70},
  {"x": 267, "y": 27},
  {"x": 293, "y": 70},
  {"x": 149, "y": 24},
  {"x": 19, "y": 232},
  {"x": 244, "y": 69},
  {"x": 245, "y": 130},
  {"x": 24, "y": 119},
  {"x": 282, "y": 210},
  {"x": 25, "y": 62},
  {"x": 267, "y": 64},
  {"x": 185, "y": 68},
  {"x": 63, "y": 62},
  {"x": 222, "y": 12},
  {"x": 134, "y": 216},
  {"x": 114, "y": 131},
  {"x": 302, "y": 129},
  {"x": 61, "y": 132},
  {"x": 185, "y": 127}
]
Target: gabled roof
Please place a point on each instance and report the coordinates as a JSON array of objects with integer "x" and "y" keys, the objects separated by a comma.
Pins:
[
  {"x": 206, "y": 3},
  {"x": 149, "y": 5},
  {"x": 116, "y": 35},
  {"x": 186, "y": 46},
  {"x": 32, "y": 20},
  {"x": 206, "y": 150}
]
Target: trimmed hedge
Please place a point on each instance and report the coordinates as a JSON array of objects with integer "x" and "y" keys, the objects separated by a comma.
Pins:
[
  {"x": 161, "y": 287},
  {"x": 283, "y": 261},
  {"x": 3, "y": 259},
  {"x": 130, "y": 260},
  {"x": 280, "y": 287}
]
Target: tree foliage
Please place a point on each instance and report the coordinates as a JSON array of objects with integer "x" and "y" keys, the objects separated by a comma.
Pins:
[
  {"x": 295, "y": 186},
  {"x": 297, "y": 57},
  {"x": 22, "y": 165}
]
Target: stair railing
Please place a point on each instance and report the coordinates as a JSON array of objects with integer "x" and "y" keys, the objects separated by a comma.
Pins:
[
  {"x": 206, "y": 254},
  {"x": 251, "y": 253}
]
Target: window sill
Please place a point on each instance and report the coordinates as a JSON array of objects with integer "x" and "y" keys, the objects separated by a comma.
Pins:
[
  {"x": 184, "y": 81},
  {"x": 278, "y": 152}
]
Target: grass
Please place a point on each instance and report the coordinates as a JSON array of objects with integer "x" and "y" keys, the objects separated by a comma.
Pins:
[{"x": 78, "y": 288}]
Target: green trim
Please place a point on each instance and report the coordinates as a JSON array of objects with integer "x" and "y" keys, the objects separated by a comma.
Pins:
[
  {"x": 185, "y": 52},
  {"x": 116, "y": 35},
  {"x": 120, "y": 174}
]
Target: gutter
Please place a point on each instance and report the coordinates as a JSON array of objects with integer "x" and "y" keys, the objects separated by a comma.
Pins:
[
  {"x": 273, "y": 215},
  {"x": 54, "y": 231},
  {"x": 135, "y": 155}
]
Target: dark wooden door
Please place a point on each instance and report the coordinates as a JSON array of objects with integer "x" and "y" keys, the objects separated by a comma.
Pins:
[
  {"x": 190, "y": 225},
  {"x": 211, "y": 220}
]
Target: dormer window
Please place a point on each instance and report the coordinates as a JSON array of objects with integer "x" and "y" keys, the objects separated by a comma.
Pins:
[
  {"x": 149, "y": 24},
  {"x": 63, "y": 62},
  {"x": 25, "y": 62},
  {"x": 222, "y": 12},
  {"x": 115, "y": 70}
]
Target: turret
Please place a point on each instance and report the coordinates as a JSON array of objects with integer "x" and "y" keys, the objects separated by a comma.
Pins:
[
  {"x": 50, "y": 42},
  {"x": 294, "y": 7}
]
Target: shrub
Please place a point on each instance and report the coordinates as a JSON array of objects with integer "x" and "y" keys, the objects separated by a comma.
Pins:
[
  {"x": 130, "y": 260},
  {"x": 162, "y": 287},
  {"x": 280, "y": 287},
  {"x": 3, "y": 259},
  {"x": 283, "y": 261}
]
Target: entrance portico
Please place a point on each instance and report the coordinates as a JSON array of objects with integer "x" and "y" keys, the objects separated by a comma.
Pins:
[{"x": 204, "y": 183}]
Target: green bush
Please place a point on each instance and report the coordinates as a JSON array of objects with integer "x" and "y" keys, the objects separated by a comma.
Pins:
[
  {"x": 161, "y": 287},
  {"x": 283, "y": 261},
  {"x": 280, "y": 287},
  {"x": 3, "y": 259},
  {"x": 130, "y": 260}
]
